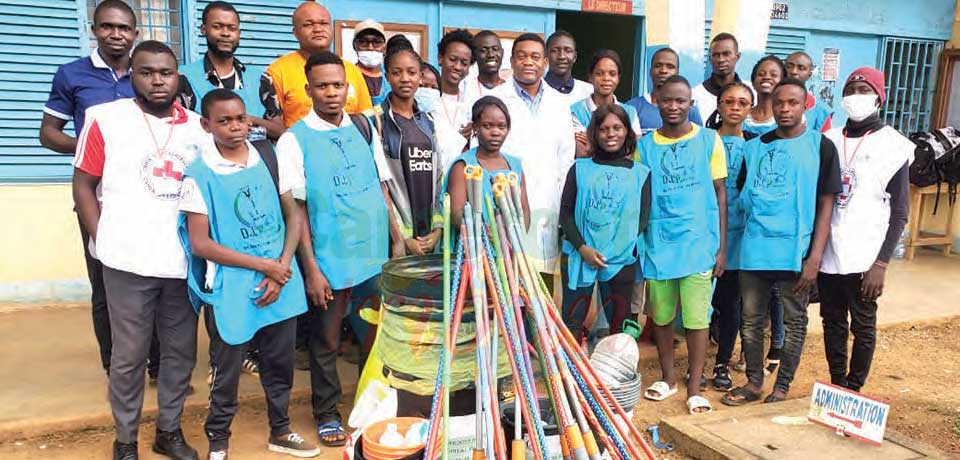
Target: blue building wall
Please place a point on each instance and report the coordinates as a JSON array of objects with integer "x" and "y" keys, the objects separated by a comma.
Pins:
[{"x": 60, "y": 27}]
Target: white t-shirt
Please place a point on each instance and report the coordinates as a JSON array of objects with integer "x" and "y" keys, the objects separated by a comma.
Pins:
[
  {"x": 861, "y": 212},
  {"x": 141, "y": 186},
  {"x": 290, "y": 156}
]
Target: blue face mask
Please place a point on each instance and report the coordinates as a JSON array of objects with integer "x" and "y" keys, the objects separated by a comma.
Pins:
[{"x": 427, "y": 99}]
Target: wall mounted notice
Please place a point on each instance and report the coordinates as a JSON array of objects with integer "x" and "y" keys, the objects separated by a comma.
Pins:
[
  {"x": 607, "y": 6},
  {"x": 780, "y": 11},
  {"x": 850, "y": 413},
  {"x": 830, "y": 69}
]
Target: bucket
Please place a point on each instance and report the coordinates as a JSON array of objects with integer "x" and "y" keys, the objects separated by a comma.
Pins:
[
  {"x": 358, "y": 452},
  {"x": 373, "y": 450},
  {"x": 550, "y": 428},
  {"x": 411, "y": 329}
]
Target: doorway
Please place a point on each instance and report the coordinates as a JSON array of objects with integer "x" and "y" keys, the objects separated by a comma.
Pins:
[{"x": 594, "y": 31}]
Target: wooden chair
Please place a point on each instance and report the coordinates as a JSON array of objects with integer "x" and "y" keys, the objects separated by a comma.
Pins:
[{"x": 917, "y": 239}]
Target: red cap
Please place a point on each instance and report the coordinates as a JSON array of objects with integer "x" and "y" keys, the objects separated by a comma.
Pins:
[{"x": 872, "y": 77}]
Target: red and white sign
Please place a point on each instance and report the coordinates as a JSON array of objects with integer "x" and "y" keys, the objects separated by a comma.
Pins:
[
  {"x": 850, "y": 413},
  {"x": 608, "y": 6}
]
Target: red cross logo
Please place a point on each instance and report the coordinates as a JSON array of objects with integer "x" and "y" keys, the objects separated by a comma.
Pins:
[{"x": 167, "y": 171}]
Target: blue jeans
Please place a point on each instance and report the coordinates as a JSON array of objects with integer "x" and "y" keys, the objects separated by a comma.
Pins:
[
  {"x": 777, "y": 332},
  {"x": 756, "y": 288}
]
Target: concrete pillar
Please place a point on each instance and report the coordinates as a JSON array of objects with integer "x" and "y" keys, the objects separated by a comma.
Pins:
[
  {"x": 749, "y": 21},
  {"x": 679, "y": 24}
]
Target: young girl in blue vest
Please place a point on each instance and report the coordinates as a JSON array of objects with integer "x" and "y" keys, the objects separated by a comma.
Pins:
[
  {"x": 244, "y": 234},
  {"x": 604, "y": 71},
  {"x": 767, "y": 73},
  {"x": 491, "y": 122},
  {"x": 603, "y": 211},
  {"x": 733, "y": 103},
  {"x": 684, "y": 246}
]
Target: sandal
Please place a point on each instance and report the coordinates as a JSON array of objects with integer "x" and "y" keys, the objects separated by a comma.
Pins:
[
  {"x": 332, "y": 434},
  {"x": 698, "y": 405},
  {"x": 739, "y": 396},
  {"x": 773, "y": 398},
  {"x": 659, "y": 391}
]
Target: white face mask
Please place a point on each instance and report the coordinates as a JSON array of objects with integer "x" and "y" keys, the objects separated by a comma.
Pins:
[
  {"x": 427, "y": 99},
  {"x": 860, "y": 106},
  {"x": 370, "y": 59}
]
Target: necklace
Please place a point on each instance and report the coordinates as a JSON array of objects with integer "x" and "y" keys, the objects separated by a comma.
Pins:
[{"x": 160, "y": 150}]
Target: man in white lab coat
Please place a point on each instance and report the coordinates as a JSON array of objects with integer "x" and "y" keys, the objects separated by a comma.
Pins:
[{"x": 542, "y": 136}]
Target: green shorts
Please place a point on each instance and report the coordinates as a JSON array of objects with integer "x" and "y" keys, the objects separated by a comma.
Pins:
[{"x": 694, "y": 294}]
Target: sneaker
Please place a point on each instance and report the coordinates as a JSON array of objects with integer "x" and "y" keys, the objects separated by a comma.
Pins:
[
  {"x": 292, "y": 444},
  {"x": 721, "y": 378},
  {"x": 251, "y": 364},
  {"x": 217, "y": 455},
  {"x": 773, "y": 360},
  {"x": 172, "y": 444},
  {"x": 123, "y": 451}
]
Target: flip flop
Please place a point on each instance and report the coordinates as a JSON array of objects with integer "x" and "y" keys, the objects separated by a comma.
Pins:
[
  {"x": 746, "y": 397},
  {"x": 332, "y": 430},
  {"x": 659, "y": 391},
  {"x": 698, "y": 405}
]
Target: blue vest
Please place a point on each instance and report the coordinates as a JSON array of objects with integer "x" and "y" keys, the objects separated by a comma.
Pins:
[
  {"x": 583, "y": 114},
  {"x": 250, "y": 93},
  {"x": 817, "y": 116},
  {"x": 345, "y": 204},
  {"x": 470, "y": 158},
  {"x": 734, "y": 147},
  {"x": 608, "y": 217},
  {"x": 779, "y": 199},
  {"x": 758, "y": 129},
  {"x": 683, "y": 236},
  {"x": 244, "y": 212}
]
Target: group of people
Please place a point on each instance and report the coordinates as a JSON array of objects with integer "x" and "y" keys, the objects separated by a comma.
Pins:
[{"x": 282, "y": 199}]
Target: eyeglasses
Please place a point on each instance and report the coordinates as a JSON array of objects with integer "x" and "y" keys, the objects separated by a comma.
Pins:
[{"x": 735, "y": 102}]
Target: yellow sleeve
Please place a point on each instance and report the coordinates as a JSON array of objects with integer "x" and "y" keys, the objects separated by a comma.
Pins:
[
  {"x": 718, "y": 159},
  {"x": 361, "y": 100}
]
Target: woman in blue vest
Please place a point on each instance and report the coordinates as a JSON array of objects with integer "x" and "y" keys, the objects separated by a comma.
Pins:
[
  {"x": 684, "y": 245},
  {"x": 241, "y": 236},
  {"x": 603, "y": 211},
  {"x": 788, "y": 183},
  {"x": 604, "y": 71},
  {"x": 410, "y": 146},
  {"x": 491, "y": 122},
  {"x": 767, "y": 73},
  {"x": 733, "y": 103}
]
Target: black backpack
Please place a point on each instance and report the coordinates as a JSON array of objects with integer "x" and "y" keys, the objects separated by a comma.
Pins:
[{"x": 937, "y": 161}]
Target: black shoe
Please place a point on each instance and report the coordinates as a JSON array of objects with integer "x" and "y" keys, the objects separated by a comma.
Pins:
[
  {"x": 174, "y": 446},
  {"x": 721, "y": 378},
  {"x": 123, "y": 451}
]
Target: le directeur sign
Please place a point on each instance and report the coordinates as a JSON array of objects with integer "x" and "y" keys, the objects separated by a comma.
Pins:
[{"x": 608, "y": 6}]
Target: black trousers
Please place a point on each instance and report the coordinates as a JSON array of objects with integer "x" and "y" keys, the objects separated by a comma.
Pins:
[
  {"x": 727, "y": 307},
  {"x": 840, "y": 299},
  {"x": 276, "y": 346},
  {"x": 325, "y": 327},
  {"x": 615, "y": 296},
  {"x": 101, "y": 314}
]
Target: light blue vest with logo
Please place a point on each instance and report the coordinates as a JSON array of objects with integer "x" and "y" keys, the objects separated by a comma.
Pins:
[
  {"x": 683, "y": 236},
  {"x": 734, "y": 147},
  {"x": 244, "y": 212},
  {"x": 250, "y": 92},
  {"x": 608, "y": 217},
  {"x": 345, "y": 204},
  {"x": 469, "y": 158},
  {"x": 583, "y": 114},
  {"x": 779, "y": 199}
]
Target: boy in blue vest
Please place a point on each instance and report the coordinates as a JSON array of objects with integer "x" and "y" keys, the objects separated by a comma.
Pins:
[
  {"x": 333, "y": 162},
  {"x": 685, "y": 241},
  {"x": 788, "y": 182},
  {"x": 242, "y": 235}
]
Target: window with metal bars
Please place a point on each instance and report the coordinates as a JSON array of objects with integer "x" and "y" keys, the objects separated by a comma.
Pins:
[
  {"x": 156, "y": 19},
  {"x": 910, "y": 66}
]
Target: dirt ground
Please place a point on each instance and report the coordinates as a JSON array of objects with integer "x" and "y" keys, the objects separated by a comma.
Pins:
[{"x": 916, "y": 369}]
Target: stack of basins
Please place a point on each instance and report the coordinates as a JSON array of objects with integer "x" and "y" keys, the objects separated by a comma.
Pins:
[{"x": 615, "y": 359}]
